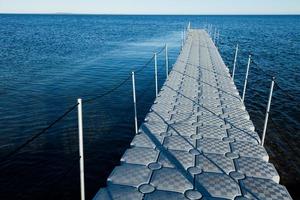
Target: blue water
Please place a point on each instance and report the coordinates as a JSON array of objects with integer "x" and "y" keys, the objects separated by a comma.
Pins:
[{"x": 48, "y": 61}]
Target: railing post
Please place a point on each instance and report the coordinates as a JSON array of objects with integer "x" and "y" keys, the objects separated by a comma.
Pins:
[
  {"x": 234, "y": 62},
  {"x": 215, "y": 33},
  {"x": 207, "y": 29},
  {"x": 182, "y": 39},
  {"x": 81, "y": 153},
  {"x": 155, "y": 69},
  {"x": 246, "y": 78},
  {"x": 267, "y": 112},
  {"x": 167, "y": 60},
  {"x": 218, "y": 36},
  {"x": 189, "y": 26},
  {"x": 134, "y": 103}
]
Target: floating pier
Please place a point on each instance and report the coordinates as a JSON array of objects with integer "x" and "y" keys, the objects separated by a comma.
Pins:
[{"x": 197, "y": 141}]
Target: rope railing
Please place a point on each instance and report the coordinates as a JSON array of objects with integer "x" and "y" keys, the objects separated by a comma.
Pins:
[
  {"x": 159, "y": 51},
  {"x": 69, "y": 110},
  {"x": 35, "y": 136},
  {"x": 109, "y": 91},
  {"x": 270, "y": 76},
  {"x": 145, "y": 65},
  {"x": 285, "y": 92},
  {"x": 262, "y": 70}
]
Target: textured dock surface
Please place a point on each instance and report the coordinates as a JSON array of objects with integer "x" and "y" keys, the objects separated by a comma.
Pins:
[{"x": 197, "y": 141}]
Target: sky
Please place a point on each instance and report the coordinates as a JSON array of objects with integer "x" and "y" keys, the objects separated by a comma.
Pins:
[{"x": 152, "y": 6}]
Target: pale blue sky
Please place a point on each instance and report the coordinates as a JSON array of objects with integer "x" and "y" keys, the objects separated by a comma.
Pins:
[{"x": 152, "y": 6}]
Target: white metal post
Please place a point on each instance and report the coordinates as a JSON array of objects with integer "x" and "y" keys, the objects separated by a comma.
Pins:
[
  {"x": 182, "y": 39},
  {"x": 81, "y": 153},
  {"x": 267, "y": 113},
  {"x": 246, "y": 78},
  {"x": 134, "y": 103},
  {"x": 218, "y": 36},
  {"x": 207, "y": 29},
  {"x": 155, "y": 69},
  {"x": 167, "y": 61},
  {"x": 234, "y": 62},
  {"x": 215, "y": 33},
  {"x": 189, "y": 26}
]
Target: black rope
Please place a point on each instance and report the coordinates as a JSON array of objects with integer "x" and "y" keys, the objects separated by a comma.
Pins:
[
  {"x": 278, "y": 86},
  {"x": 145, "y": 65},
  {"x": 109, "y": 91},
  {"x": 161, "y": 50},
  {"x": 285, "y": 92},
  {"x": 150, "y": 83},
  {"x": 38, "y": 134},
  {"x": 262, "y": 70},
  {"x": 120, "y": 84}
]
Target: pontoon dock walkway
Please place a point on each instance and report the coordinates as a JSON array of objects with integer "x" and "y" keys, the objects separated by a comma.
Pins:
[{"x": 197, "y": 141}]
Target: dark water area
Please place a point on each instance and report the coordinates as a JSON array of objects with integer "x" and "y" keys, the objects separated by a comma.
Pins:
[{"x": 48, "y": 61}]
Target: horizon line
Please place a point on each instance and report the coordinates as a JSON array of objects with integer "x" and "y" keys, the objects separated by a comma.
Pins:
[{"x": 150, "y": 14}]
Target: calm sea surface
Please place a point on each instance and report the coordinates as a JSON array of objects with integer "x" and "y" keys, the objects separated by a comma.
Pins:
[{"x": 48, "y": 61}]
